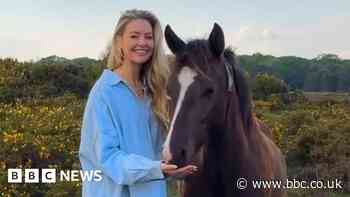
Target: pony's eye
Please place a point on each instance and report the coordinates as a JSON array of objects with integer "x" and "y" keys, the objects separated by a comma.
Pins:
[{"x": 207, "y": 92}]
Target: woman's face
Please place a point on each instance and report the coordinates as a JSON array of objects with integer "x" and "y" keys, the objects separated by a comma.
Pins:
[{"x": 137, "y": 42}]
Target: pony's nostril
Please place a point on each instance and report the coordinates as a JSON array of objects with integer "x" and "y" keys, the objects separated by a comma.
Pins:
[{"x": 183, "y": 153}]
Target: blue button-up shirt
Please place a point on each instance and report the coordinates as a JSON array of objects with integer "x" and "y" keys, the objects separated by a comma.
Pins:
[{"x": 120, "y": 136}]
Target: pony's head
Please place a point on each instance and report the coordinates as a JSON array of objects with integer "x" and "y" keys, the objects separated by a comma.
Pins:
[{"x": 203, "y": 74}]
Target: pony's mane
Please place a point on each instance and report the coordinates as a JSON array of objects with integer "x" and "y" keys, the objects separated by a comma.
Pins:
[{"x": 242, "y": 88}]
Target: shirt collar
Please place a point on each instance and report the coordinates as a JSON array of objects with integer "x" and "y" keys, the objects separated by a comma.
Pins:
[
  {"x": 113, "y": 78},
  {"x": 110, "y": 77}
]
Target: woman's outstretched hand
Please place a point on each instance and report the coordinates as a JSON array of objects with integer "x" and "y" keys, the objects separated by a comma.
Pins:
[{"x": 173, "y": 171}]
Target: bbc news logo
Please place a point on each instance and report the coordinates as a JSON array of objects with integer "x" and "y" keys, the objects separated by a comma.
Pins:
[{"x": 15, "y": 175}]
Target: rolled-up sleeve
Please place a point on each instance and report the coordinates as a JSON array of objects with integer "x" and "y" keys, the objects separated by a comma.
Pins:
[
  {"x": 121, "y": 167},
  {"x": 159, "y": 142}
]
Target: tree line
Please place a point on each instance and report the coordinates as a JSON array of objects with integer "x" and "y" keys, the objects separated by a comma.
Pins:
[
  {"x": 325, "y": 73},
  {"x": 55, "y": 76}
]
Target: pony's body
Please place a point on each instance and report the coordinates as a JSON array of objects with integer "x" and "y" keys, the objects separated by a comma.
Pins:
[{"x": 213, "y": 126}]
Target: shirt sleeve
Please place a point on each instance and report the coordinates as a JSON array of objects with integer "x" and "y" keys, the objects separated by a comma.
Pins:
[
  {"x": 159, "y": 141},
  {"x": 121, "y": 167}
]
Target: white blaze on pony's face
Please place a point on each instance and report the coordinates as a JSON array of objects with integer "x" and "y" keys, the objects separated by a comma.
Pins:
[{"x": 185, "y": 78}]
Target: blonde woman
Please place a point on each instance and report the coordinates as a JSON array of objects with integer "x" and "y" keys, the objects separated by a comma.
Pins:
[{"x": 126, "y": 115}]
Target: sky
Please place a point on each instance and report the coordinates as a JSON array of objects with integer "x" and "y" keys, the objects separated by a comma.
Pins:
[{"x": 33, "y": 29}]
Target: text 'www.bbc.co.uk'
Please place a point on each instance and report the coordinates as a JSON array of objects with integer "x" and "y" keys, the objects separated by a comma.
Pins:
[{"x": 243, "y": 184}]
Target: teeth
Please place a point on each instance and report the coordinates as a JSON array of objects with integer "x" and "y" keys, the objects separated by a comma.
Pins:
[{"x": 141, "y": 51}]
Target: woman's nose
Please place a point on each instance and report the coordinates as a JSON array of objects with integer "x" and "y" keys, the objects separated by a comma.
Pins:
[{"x": 142, "y": 42}]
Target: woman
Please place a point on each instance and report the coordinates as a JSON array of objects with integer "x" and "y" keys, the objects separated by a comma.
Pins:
[{"x": 126, "y": 113}]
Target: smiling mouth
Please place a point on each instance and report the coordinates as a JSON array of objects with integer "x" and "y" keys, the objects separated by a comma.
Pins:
[{"x": 141, "y": 51}]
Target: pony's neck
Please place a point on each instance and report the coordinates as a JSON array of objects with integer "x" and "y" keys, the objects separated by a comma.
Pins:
[
  {"x": 223, "y": 162},
  {"x": 226, "y": 151},
  {"x": 230, "y": 144}
]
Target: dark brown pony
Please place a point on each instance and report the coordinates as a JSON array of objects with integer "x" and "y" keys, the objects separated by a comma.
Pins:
[{"x": 213, "y": 126}]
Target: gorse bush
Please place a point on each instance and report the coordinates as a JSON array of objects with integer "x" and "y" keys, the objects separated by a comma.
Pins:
[
  {"x": 40, "y": 134},
  {"x": 47, "y": 79},
  {"x": 315, "y": 137}
]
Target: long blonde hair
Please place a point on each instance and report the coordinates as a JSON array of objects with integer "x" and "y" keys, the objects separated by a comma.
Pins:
[{"x": 155, "y": 71}]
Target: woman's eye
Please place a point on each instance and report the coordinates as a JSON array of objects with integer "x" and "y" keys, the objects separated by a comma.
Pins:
[
  {"x": 134, "y": 36},
  {"x": 149, "y": 37}
]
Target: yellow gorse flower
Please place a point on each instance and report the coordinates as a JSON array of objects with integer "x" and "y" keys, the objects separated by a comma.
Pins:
[{"x": 12, "y": 137}]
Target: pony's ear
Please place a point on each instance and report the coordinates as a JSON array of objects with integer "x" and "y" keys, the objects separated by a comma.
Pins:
[
  {"x": 174, "y": 43},
  {"x": 217, "y": 40}
]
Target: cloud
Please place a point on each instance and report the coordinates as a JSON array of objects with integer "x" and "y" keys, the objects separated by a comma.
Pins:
[
  {"x": 328, "y": 35},
  {"x": 255, "y": 33},
  {"x": 44, "y": 36},
  {"x": 67, "y": 44},
  {"x": 21, "y": 48},
  {"x": 268, "y": 34},
  {"x": 254, "y": 38},
  {"x": 344, "y": 54}
]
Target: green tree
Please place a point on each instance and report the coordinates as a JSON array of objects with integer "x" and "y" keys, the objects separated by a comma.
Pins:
[{"x": 264, "y": 85}]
